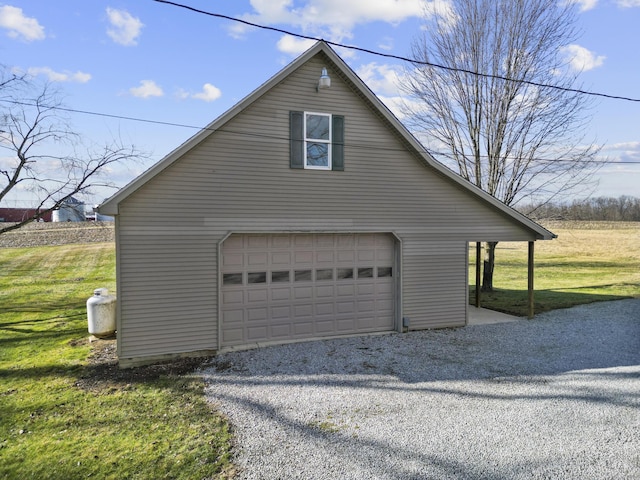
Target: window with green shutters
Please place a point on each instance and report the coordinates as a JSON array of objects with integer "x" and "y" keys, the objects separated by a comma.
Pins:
[{"x": 317, "y": 141}]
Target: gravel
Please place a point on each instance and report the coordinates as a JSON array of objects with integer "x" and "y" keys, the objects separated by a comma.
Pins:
[{"x": 553, "y": 397}]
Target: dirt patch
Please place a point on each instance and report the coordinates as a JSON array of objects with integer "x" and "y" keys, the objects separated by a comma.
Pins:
[{"x": 103, "y": 374}]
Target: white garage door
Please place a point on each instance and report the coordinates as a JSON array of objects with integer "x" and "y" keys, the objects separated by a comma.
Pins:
[{"x": 295, "y": 286}]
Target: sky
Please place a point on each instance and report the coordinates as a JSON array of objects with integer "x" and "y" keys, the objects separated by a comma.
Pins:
[{"x": 152, "y": 61}]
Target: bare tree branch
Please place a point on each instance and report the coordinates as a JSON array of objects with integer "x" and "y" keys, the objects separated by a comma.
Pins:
[
  {"x": 31, "y": 127},
  {"x": 503, "y": 130}
]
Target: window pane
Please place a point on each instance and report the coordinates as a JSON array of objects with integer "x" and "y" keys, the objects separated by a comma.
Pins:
[
  {"x": 318, "y": 127},
  {"x": 279, "y": 277},
  {"x": 365, "y": 273},
  {"x": 232, "y": 279},
  {"x": 258, "y": 277},
  {"x": 303, "y": 275},
  {"x": 385, "y": 272},
  {"x": 344, "y": 273},
  {"x": 318, "y": 154},
  {"x": 324, "y": 274}
]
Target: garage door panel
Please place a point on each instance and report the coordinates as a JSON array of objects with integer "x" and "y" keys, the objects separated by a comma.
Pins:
[
  {"x": 324, "y": 240},
  {"x": 327, "y": 257},
  {"x": 232, "y": 261},
  {"x": 257, "y": 314},
  {"x": 257, "y": 296},
  {"x": 325, "y": 291},
  {"x": 303, "y": 258},
  {"x": 324, "y": 309},
  {"x": 281, "y": 331},
  {"x": 233, "y": 317},
  {"x": 304, "y": 329},
  {"x": 345, "y": 307},
  {"x": 303, "y": 240},
  {"x": 366, "y": 289},
  {"x": 295, "y": 286},
  {"x": 280, "y": 241},
  {"x": 256, "y": 333},
  {"x": 345, "y": 290},
  {"x": 257, "y": 241},
  {"x": 346, "y": 257},
  {"x": 303, "y": 293},
  {"x": 325, "y": 326},
  {"x": 233, "y": 297},
  {"x": 345, "y": 324},
  {"x": 301, "y": 311},
  {"x": 281, "y": 258},
  {"x": 366, "y": 306},
  {"x": 233, "y": 336}
]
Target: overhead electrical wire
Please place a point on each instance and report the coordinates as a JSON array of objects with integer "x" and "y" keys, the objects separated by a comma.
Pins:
[
  {"x": 287, "y": 139},
  {"x": 398, "y": 57},
  {"x": 335, "y": 44}
]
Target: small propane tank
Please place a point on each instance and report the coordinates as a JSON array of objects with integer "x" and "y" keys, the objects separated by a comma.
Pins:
[{"x": 101, "y": 313}]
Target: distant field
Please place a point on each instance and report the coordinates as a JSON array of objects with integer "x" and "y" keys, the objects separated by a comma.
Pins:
[{"x": 588, "y": 262}]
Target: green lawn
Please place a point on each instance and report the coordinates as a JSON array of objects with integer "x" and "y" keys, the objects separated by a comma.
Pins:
[
  {"x": 62, "y": 417},
  {"x": 588, "y": 262}
]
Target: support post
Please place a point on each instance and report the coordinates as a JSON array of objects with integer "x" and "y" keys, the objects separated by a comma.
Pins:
[
  {"x": 478, "y": 277},
  {"x": 530, "y": 282}
]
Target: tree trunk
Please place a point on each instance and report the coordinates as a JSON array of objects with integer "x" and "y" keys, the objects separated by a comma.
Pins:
[{"x": 489, "y": 262}]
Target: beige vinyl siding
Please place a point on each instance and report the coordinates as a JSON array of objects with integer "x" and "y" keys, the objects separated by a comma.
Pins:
[
  {"x": 434, "y": 283},
  {"x": 167, "y": 286},
  {"x": 239, "y": 180}
]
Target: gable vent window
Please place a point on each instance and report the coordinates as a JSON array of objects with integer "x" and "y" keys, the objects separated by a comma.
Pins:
[{"x": 317, "y": 141}]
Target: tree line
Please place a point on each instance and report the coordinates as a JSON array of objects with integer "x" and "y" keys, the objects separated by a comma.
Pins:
[{"x": 622, "y": 209}]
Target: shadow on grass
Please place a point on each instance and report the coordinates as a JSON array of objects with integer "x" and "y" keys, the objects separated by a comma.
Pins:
[{"x": 515, "y": 302}]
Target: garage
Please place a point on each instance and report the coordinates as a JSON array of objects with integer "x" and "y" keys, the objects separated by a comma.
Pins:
[{"x": 279, "y": 287}]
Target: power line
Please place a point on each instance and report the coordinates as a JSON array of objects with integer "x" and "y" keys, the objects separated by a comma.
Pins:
[
  {"x": 398, "y": 57},
  {"x": 275, "y": 137}
]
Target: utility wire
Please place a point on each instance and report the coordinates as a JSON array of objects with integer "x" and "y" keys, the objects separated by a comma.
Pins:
[
  {"x": 397, "y": 57},
  {"x": 286, "y": 139}
]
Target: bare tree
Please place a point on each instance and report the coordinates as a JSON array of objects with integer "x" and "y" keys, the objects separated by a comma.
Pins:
[
  {"x": 32, "y": 128},
  {"x": 489, "y": 112}
]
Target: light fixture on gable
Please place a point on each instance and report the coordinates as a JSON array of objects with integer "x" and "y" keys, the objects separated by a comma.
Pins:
[{"x": 324, "y": 81}]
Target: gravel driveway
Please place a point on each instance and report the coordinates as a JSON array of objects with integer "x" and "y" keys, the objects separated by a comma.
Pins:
[{"x": 553, "y": 397}]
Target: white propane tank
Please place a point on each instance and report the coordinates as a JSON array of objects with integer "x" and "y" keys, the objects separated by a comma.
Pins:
[{"x": 101, "y": 313}]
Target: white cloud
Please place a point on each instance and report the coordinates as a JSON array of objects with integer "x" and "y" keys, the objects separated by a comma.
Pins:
[
  {"x": 294, "y": 46},
  {"x": 147, "y": 88},
  {"x": 333, "y": 19},
  {"x": 629, "y": 3},
  {"x": 584, "y": 5},
  {"x": 581, "y": 59},
  {"x": 382, "y": 79},
  {"x": 386, "y": 43},
  {"x": 53, "y": 76},
  {"x": 623, "y": 152},
  {"x": 209, "y": 93},
  {"x": 125, "y": 28},
  {"x": 20, "y": 26}
]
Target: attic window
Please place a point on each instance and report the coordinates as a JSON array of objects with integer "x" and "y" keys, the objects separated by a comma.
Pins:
[{"x": 317, "y": 141}]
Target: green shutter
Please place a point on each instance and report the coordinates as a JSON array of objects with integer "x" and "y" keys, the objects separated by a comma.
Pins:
[
  {"x": 337, "y": 145},
  {"x": 296, "y": 139}
]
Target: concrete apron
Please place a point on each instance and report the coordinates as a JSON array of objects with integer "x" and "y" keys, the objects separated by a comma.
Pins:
[{"x": 483, "y": 316}]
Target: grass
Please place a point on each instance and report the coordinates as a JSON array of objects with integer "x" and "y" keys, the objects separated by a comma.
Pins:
[
  {"x": 63, "y": 417},
  {"x": 588, "y": 262}
]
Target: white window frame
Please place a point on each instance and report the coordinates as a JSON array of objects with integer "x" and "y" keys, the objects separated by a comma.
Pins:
[{"x": 315, "y": 140}]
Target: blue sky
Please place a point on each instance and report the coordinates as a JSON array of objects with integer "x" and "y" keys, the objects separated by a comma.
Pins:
[{"x": 154, "y": 61}]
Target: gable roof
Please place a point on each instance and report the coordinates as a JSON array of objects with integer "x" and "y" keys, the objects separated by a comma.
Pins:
[{"x": 110, "y": 206}]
